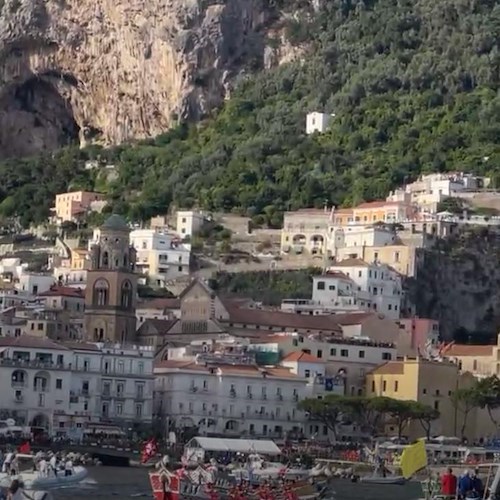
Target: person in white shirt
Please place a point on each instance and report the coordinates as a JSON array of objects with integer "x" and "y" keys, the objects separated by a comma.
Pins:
[
  {"x": 42, "y": 467},
  {"x": 53, "y": 464},
  {"x": 7, "y": 462},
  {"x": 68, "y": 467}
]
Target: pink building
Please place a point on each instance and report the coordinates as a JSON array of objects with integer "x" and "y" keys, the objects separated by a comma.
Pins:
[{"x": 419, "y": 331}]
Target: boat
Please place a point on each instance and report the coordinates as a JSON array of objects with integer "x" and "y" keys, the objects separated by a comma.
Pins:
[
  {"x": 33, "y": 479},
  {"x": 381, "y": 474},
  {"x": 207, "y": 483}
]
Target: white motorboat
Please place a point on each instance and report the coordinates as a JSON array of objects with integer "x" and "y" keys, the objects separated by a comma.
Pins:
[{"x": 33, "y": 479}]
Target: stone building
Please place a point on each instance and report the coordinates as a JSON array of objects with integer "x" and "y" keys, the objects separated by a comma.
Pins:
[{"x": 110, "y": 295}]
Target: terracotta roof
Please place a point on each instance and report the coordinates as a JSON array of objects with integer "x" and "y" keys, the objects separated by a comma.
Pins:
[
  {"x": 342, "y": 211},
  {"x": 379, "y": 204},
  {"x": 389, "y": 368},
  {"x": 280, "y": 319},
  {"x": 302, "y": 357},
  {"x": 350, "y": 263},
  {"x": 246, "y": 370},
  {"x": 337, "y": 274},
  {"x": 353, "y": 318},
  {"x": 32, "y": 342},
  {"x": 469, "y": 350},
  {"x": 160, "y": 303},
  {"x": 161, "y": 325},
  {"x": 63, "y": 291},
  {"x": 81, "y": 346}
]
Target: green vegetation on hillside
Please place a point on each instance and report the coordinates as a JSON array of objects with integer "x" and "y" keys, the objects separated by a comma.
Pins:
[
  {"x": 269, "y": 287},
  {"x": 414, "y": 85}
]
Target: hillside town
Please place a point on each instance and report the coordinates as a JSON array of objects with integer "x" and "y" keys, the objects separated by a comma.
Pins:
[{"x": 81, "y": 351}]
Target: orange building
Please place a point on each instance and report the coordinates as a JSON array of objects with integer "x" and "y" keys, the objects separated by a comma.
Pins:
[
  {"x": 69, "y": 205},
  {"x": 374, "y": 211}
]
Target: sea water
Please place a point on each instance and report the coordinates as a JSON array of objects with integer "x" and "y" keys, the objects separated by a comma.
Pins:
[{"x": 121, "y": 483}]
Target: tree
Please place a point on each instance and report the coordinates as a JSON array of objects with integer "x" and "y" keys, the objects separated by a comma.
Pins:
[
  {"x": 488, "y": 395},
  {"x": 464, "y": 401},
  {"x": 328, "y": 410},
  {"x": 367, "y": 412},
  {"x": 425, "y": 415},
  {"x": 401, "y": 412}
]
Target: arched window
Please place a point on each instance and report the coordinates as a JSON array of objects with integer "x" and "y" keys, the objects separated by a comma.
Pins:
[
  {"x": 105, "y": 259},
  {"x": 100, "y": 297},
  {"x": 126, "y": 296}
]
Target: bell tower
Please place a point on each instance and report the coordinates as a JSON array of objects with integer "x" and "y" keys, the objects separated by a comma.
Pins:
[{"x": 110, "y": 295}]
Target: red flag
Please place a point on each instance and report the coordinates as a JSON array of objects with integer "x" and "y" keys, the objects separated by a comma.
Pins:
[
  {"x": 149, "y": 451},
  {"x": 25, "y": 448}
]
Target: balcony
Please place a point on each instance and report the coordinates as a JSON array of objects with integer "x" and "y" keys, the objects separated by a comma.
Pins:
[
  {"x": 19, "y": 384},
  {"x": 19, "y": 398},
  {"x": 34, "y": 363}
]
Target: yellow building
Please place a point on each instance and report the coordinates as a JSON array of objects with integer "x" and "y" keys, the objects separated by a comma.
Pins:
[
  {"x": 428, "y": 382},
  {"x": 402, "y": 258},
  {"x": 70, "y": 205},
  {"x": 79, "y": 258}
]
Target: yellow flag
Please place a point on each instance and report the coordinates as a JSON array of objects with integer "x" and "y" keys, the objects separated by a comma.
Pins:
[{"x": 413, "y": 459}]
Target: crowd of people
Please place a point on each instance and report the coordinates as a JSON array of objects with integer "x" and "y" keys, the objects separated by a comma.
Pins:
[{"x": 467, "y": 485}]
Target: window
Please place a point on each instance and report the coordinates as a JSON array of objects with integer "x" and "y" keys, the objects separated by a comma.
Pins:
[
  {"x": 436, "y": 405},
  {"x": 386, "y": 355},
  {"x": 140, "y": 367},
  {"x": 396, "y": 256},
  {"x": 320, "y": 285},
  {"x": 332, "y": 287},
  {"x": 100, "y": 294},
  {"x": 360, "y": 274},
  {"x": 105, "y": 259},
  {"x": 126, "y": 295},
  {"x": 138, "y": 411},
  {"x": 389, "y": 307},
  {"x": 424, "y": 391},
  {"x": 375, "y": 255},
  {"x": 361, "y": 354},
  {"x": 120, "y": 389},
  {"x": 373, "y": 385},
  {"x": 121, "y": 367},
  {"x": 396, "y": 385},
  {"x": 333, "y": 352},
  {"x": 437, "y": 392},
  {"x": 119, "y": 409},
  {"x": 474, "y": 365},
  {"x": 344, "y": 353},
  {"x": 319, "y": 353},
  {"x": 40, "y": 326},
  {"x": 384, "y": 385},
  {"x": 58, "y": 383},
  {"x": 307, "y": 373},
  {"x": 375, "y": 290}
]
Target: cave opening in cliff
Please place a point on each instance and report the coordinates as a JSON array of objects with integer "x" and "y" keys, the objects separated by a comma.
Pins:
[{"x": 35, "y": 116}]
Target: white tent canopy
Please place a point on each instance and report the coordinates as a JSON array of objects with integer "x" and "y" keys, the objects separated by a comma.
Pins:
[{"x": 264, "y": 447}]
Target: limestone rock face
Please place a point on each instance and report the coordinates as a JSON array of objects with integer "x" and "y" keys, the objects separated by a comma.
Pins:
[{"x": 112, "y": 70}]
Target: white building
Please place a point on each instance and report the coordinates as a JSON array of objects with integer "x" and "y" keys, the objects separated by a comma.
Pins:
[
  {"x": 239, "y": 399},
  {"x": 348, "y": 358},
  {"x": 345, "y": 239},
  {"x": 189, "y": 222},
  {"x": 63, "y": 388},
  {"x": 160, "y": 256},
  {"x": 34, "y": 282},
  {"x": 377, "y": 282},
  {"x": 318, "y": 122},
  {"x": 112, "y": 384},
  {"x": 35, "y": 381}
]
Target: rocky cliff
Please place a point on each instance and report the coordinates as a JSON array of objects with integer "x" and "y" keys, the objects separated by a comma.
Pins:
[
  {"x": 459, "y": 284},
  {"x": 111, "y": 70}
]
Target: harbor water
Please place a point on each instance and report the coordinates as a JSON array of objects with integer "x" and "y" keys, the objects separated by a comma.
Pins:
[{"x": 112, "y": 483}]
